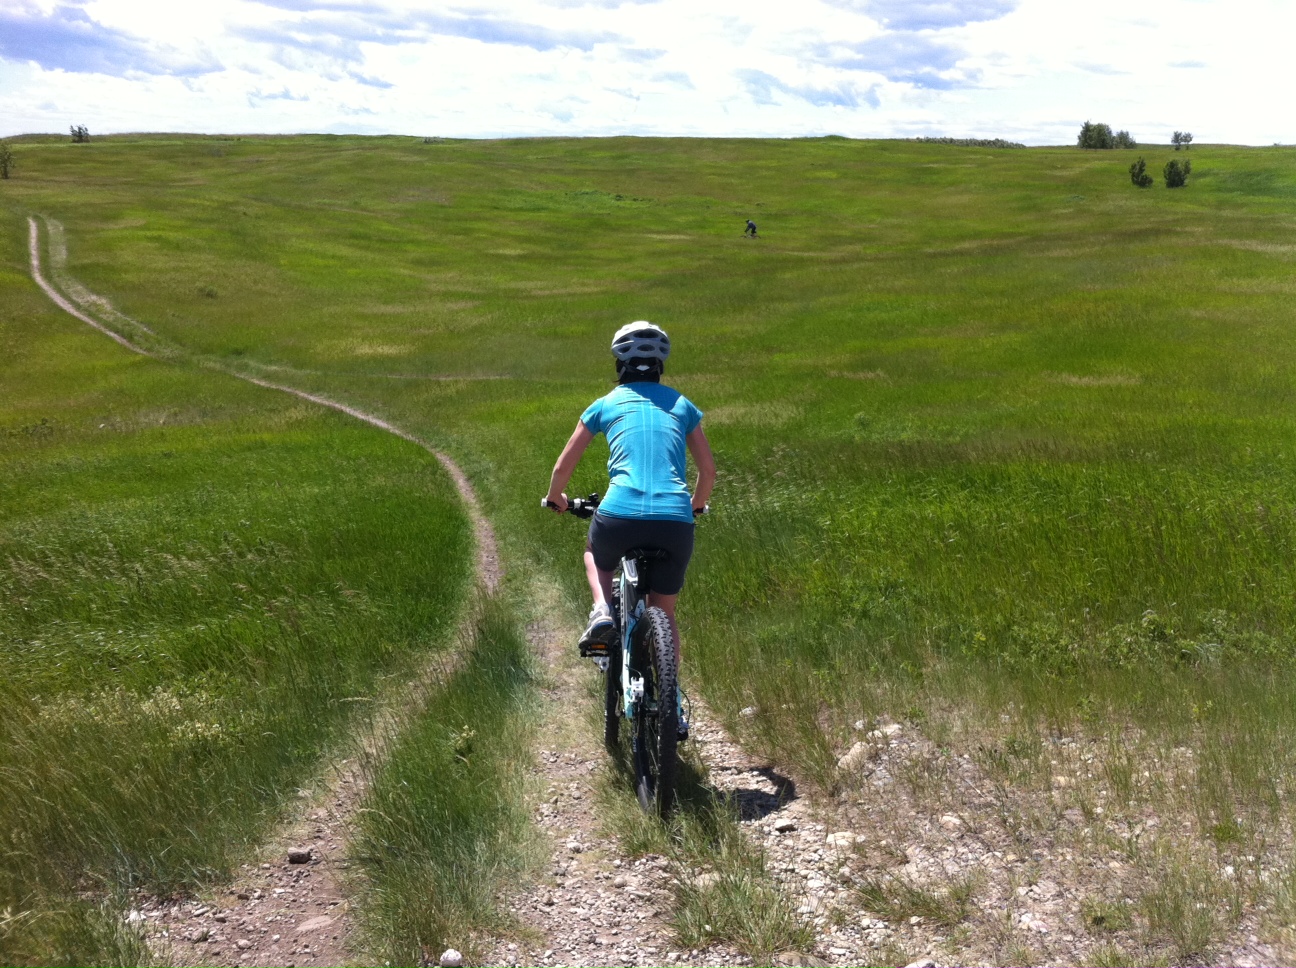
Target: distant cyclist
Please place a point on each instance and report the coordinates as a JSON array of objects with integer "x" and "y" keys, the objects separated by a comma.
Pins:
[
  {"x": 750, "y": 230},
  {"x": 648, "y": 505}
]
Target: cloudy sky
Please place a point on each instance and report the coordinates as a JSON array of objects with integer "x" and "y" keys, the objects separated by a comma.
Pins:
[{"x": 1026, "y": 70}]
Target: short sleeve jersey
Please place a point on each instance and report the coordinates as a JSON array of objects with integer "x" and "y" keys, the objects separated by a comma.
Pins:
[{"x": 645, "y": 425}]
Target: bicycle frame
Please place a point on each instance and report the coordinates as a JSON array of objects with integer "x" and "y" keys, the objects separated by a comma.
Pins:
[{"x": 632, "y": 607}]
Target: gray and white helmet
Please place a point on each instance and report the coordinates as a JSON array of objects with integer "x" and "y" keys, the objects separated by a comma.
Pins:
[{"x": 640, "y": 340}]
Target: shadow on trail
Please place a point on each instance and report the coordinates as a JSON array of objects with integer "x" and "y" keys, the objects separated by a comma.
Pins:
[{"x": 698, "y": 800}]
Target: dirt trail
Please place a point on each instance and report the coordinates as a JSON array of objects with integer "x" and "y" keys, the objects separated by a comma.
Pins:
[
  {"x": 288, "y": 907},
  {"x": 488, "y": 566},
  {"x": 33, "y": 247},
  {"x": 595, "y": 904}
]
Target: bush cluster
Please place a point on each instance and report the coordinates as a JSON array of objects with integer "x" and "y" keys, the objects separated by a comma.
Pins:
[
  {"x": 1099, "y": 135},
  {"x": 6, "y": 161},
  {"x": 80, "y": 134},
  {"x": 1176, "y": 173},
  {"x": 1139, "y": 175}
]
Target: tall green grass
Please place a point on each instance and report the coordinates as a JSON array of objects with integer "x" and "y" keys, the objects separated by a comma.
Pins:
[
  {"x": 444, "y": 829},
  {"x": 201, "y": 586}
]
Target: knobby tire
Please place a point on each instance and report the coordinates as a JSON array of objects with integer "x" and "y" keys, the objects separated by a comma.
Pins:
[
  {"x": 612, "y": 699},
  {"x": 656, "y": 725}
]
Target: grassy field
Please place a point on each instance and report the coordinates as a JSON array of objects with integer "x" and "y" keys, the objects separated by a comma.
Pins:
[
  {"x": 1006, "y": 445},
  {"x": 201, "y": 583}
]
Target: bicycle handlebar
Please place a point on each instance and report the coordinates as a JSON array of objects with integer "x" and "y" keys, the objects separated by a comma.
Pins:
[{"x": 584, "y": 507}]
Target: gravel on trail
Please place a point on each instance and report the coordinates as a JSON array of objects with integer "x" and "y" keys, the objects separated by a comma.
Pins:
[
  {"x": 595, "y": 904},
  {"x": 277, "y": 911}
]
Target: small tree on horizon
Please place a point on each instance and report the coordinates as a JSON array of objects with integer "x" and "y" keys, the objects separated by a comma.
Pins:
[
  {"x": 6, "y": 161},
  {"x": 1095, "y": 135},
  {"x": 1122, "y": 139},
  {"x": 1176, "y": 173},
  {"x": 1181, "y": 139},
  {"x": 80, "y": 134},
  {"x": 1139, "y": 175}
]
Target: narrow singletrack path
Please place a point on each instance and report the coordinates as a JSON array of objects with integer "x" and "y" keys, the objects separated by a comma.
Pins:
[
  {"x": 288, "y": 907},
  {"x": 488, "y": 565}
]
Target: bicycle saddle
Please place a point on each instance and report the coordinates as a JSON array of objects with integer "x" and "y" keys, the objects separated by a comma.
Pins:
[{"x": 648, "y": 554}]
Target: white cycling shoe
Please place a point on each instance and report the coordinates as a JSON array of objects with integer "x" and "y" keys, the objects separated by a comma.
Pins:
[{"x": 599, "y": 633}]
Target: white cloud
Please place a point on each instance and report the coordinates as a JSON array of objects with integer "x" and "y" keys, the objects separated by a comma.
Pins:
[{"x": 1028, "y": 70}]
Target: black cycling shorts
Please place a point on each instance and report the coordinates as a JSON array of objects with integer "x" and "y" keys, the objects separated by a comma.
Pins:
[{"x": 610, "y": 538}]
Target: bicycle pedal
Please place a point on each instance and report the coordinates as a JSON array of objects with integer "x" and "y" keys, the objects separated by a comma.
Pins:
[{"x": 594, "y": 650}]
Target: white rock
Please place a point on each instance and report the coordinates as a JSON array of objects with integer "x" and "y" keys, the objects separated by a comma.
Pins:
[
  {"x": 705, "y": 880},
  {"x": 854, "y": 759},
  {"x": 921, "y": 963},
  {"x": 885, "y": 732},
  {"x": 450, "y": 958},
  {"x": 843, "y": 838},
  {"x": 951, "y": 822},
  {"x": 748, "y": 712},
  {"x": 785, "y": 826}
]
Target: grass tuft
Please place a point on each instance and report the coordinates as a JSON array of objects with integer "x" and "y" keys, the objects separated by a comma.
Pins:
[
  {"x": 724, "y": 891},
  {"x": 444, "y": 825},
  {"x": 1188, "y": 910},
  {"x": 897, "y": 898},
  {"x": 1113, "y": 956},
  {"x": 1105, "y": 917}
]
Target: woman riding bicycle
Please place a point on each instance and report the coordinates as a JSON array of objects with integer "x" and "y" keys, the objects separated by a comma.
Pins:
[{"x": 648, "y": 426}]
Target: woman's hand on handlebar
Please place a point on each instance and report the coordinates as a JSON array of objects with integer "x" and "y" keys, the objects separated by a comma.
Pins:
[{"x": 557, "y": 503}]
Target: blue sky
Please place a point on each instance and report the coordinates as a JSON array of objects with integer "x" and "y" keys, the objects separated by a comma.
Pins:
[{"x": 1026, "y": 70}]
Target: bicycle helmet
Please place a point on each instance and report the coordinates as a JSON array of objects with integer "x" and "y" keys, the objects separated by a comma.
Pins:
[{"x": 640, "y": 340}]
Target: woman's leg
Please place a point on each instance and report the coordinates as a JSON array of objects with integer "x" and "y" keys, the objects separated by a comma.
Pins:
[{"x": 600, "y": 582}]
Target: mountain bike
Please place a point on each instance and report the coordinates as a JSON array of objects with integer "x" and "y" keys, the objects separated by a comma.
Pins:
[{"x": 641, "y": 677}]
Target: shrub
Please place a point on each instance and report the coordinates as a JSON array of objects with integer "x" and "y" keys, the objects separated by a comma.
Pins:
[
  {"x": 1139, "y": 175},
  {"x": 1176, "y": 174},
  {"x": 6, "y": 161},
  {"x": 80, "y": 134},
  {"x": 1096, "y": 136},
  {"x": 1122, "y": 139}
]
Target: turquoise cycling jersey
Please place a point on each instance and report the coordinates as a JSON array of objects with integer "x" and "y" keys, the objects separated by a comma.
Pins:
[{"x": 645, "y": 425}]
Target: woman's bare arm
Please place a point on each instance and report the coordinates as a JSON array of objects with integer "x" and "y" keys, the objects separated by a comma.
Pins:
[
  {"x": 700, "y": 448},
  {"x": 566, "y": 465}
]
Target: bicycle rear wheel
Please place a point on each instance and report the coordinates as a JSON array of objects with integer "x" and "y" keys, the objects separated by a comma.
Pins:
[{"x": 656, "y": 722}]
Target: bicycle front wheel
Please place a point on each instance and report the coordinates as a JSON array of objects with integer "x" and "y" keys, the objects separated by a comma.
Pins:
[
  {"x": 612, "y": 699},
  {"x": 657, "y": 720}
]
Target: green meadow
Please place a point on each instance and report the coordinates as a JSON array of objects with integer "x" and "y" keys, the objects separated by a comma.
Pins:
[
  {"x": 1006, "y": 450},
  {"x": 203, "y": 584}
]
